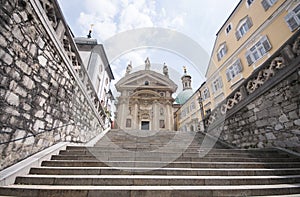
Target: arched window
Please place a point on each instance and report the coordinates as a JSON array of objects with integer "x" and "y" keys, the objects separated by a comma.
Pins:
[{"x": 146, "y": 83}]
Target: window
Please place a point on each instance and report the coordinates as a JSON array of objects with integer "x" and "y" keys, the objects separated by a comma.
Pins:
[
  {"x": 293, "y": 18},
  {"x": 217, "y": 85},
  {"x": 258, "y": 50},
  {"x": 98, "y": 83},
  {"x": 234, "y": 70},
  {"x": 100, "y": 68},
  {"x": 268, "y": 3},
  {"x": 249, "y": 2},
  {"x": 206, "y": 94},
  {"x": 228, "y": 28},
  {"x": 128, "y": 123},
  {"x": 146, "y": 83},
  {"x": 161, "y": 124},
  {"x": 192, "y": 106},
  {"x": 106, "y": 81},
  {"x": 243, "y": 27},
  {"x": 222, "y": 51}
]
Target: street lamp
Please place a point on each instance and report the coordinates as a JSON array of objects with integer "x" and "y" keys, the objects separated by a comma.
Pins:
[{"x": 200, "y": 101}]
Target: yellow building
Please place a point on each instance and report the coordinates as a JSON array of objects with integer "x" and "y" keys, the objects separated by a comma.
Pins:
[
  {"x": 251, "y": 34},
  {"x": 189, "y": 114}
]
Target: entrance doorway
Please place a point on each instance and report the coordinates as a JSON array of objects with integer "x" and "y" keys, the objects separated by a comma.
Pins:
[{"x": 145, "y": 125}]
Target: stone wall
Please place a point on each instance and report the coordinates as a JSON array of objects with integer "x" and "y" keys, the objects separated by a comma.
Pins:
[
  {"x": 43, "y": 100},
  {"x": 267, "y": 115}
]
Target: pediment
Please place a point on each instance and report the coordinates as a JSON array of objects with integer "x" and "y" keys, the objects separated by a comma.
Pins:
[{"x": 145, "y": 78}]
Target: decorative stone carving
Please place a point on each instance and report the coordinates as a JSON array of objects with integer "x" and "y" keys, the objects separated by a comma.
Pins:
[{"x": 267, "y": 71}]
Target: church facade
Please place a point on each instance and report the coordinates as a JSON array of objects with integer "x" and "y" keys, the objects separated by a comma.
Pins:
[{"x": 145, "y": 100}]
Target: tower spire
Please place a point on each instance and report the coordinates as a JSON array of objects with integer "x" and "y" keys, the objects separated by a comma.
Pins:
[{"x": 186, "y": 80}]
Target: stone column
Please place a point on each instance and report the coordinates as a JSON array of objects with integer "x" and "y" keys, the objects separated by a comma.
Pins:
[
  {"x": 135, "y": 120},
  {"x": 155, "y": 118},
  {"x": 169, "y": 116}
]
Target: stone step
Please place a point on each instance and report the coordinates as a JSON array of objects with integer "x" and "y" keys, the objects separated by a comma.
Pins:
[
  {"x": 190, "y": 154},
  {"x": 146, "y": 180},
  {"x": 254, "y": 151},
  {"x": 163, "y": 157},
  {"x": 147, "y": 191},
  {"x": 164, "y": 171},
  {"x": 179, "y": 164}
]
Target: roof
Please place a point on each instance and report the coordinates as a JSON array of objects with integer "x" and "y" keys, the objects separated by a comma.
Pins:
[
  {"x": 229, "y": 16},
  {"x": 183, "y": 96}
]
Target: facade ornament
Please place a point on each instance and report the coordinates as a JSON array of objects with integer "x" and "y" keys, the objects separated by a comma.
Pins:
[
  {"x": 129, "y": 68},
  {"x": 165, "y": 70},
  {"x": 184, "y": 69},
  {"x": 147, "y": 64}
]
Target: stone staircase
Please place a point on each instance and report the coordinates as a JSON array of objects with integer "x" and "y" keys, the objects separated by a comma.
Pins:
[{"x": 161, "y": 163}]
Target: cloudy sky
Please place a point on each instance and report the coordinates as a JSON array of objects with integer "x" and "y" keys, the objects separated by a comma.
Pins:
[{"x": 185, "y": 35}]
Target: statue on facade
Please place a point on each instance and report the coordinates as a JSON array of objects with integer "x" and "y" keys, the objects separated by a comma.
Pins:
[
  {"x": 129, "y": 68},
  {"x": 184, "y": 69},
  {"x": 147, "y": 64},
  {"x": 165, "y": 70}
]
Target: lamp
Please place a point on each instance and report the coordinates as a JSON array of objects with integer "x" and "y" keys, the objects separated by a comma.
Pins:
[{"x": 200, "y": 101}]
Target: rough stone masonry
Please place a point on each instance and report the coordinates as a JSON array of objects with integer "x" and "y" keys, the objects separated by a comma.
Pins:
[{"x": 39, "y": 96}]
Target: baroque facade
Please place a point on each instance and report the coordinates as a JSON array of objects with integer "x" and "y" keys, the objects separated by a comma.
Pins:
[{"x": 146, "y": 101}]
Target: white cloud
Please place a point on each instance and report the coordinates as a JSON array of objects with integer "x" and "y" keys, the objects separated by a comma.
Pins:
[
  {"x": 131, "y": 17},
  {"x": 199, "y": 20}
]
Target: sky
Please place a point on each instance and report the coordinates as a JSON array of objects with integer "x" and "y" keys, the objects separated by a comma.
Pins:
[{"x": 176, "y": 32}]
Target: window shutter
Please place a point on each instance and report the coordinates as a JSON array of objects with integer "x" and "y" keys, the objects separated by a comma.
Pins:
[
  {"x": 228, "y": 75},
  {"x": 218, "y": 56},
  {"x": 266, "y": 43},
  {"x": 265, "y": 4},
  {"x": 249, "y": 22},
  {"x": 237, "y": 35},
  {"x": 249, "y": 58},
  {"x": 239, "y": 65},
  {"x": 220, "y": 82},
  {"x": 213, "y": 88},
  {"x": 291, "y": 21},
  {"x": 225, "y": 48}
]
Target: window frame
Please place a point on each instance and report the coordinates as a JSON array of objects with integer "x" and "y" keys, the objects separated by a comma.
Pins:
[
  {"x": 266, "y": 4},
  {"x": 128, "y": 123},
  {"x": 258, "y": 50},
  {"x": 249, "y": 2},
  {"x": 217, "y": 85},
  {"x": 228, "y": 28},
  {"x": 243, "y": 27},
  {"x": 293, "y": 15},
  {"x": 162, "y": 124},
  {"x": 206, "y": 94},
  {"x": 222, "y": 51},
  {"x": 234, "y": 70}
]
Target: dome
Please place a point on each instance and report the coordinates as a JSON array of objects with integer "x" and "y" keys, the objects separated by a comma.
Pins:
[{"x": 183, "y": 96}]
